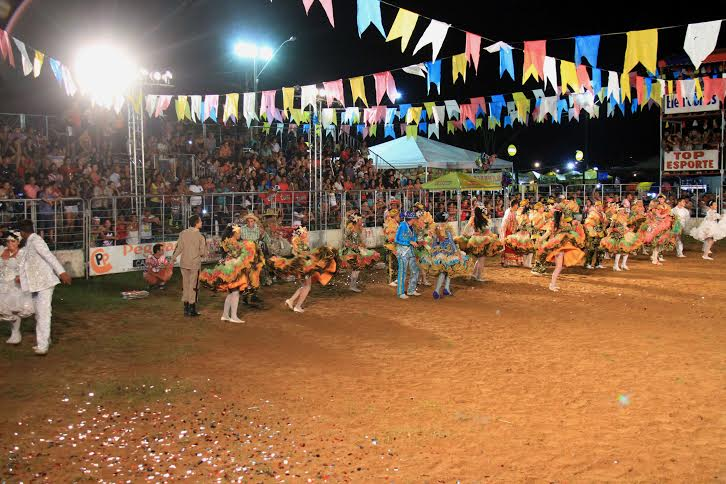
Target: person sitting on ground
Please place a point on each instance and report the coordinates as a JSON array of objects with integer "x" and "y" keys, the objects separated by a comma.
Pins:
[{"x": 158, "y": 269}]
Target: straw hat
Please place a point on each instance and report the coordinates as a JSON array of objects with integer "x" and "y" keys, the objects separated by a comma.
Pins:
[
  {"x": 249, "y": 216},
  {"x": 271, "y": 213}
]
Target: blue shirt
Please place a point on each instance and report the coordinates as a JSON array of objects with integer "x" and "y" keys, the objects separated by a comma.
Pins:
[{"x": 404, "y": 234}]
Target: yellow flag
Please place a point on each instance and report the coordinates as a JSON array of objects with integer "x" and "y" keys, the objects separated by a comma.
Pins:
[
  {"x": 266, "y": 128},
  {"x": 655, "y": 92},
  {"x": 288, "y": 97},
  {"x": 402, "y": 27},
  {"x": 449, "y": 127},
  {"x": 429, "y": 106},
  {"x": 295, "y": 115},
  {"x": 181, "y": 104},
  {"x": 230, "y": 107},
  {"x": 306, "y": 117},
  {"x": 624, "y": 86},
  {"x": 358, "y": 88},
  {"x": 411, "y": 131},
  {"x": 458, "y": 66},
  {"x": 670, "y": 88},
  {"x": 568, "y": 74},
  {"x": 643, "y": 48},
  {"x": 38, "y": 63},
  {"x": 372, "y": 130},
  {"x": 479, "y": 122},
  {"x": 699, "y": 92},
  {"x": 523, "y": 104},
  {"x": 413, "y": 115}
]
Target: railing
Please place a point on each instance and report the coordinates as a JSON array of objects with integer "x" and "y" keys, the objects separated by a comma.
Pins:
[{"x": 59, "y": 221}]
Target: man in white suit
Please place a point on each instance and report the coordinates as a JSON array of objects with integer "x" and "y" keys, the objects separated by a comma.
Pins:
[{"x": 39, "y": 271}]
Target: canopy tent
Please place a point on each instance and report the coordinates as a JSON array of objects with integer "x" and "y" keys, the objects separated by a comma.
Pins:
[
  {"x": 461, "y": 181},
  {"x": 414, "y": 152}
]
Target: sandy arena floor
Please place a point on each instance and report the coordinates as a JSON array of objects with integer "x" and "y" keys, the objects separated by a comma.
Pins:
[{"x": 621, "y": 376}]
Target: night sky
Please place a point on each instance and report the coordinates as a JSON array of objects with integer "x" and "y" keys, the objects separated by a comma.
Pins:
[{"x": 194, "y": 39}]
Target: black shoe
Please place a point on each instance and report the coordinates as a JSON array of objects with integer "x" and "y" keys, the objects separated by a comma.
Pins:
[
  {"x": 186, "y": 309},
  {"x": 193, "y": 310}
]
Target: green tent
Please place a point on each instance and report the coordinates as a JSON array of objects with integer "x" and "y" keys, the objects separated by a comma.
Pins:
[{"x": 460, "y": 181}]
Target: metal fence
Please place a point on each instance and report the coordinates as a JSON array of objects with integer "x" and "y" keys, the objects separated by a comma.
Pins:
[{"x": 59, "y": 221}]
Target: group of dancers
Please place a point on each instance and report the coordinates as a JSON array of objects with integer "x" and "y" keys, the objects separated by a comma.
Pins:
[{"x": 418, "y": 251}]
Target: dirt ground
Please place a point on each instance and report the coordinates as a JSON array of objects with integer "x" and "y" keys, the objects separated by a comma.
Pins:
[{"x": 620, "y": 376}]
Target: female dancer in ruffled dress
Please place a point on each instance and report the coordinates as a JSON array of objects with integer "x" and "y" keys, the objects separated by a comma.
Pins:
[
  {"x": 317, "y": 265},
  {"x": 423, "y": 225},
  {"x": 238, "y": 271},
  {"x": 521, "y": 241},
  {"x": 354, "y": 253},
  {"x": 447, "y": 261},
  {"x": 710, "y": 230},
  {"x": 620, "y": 240},
  {"x": 563, "y": 242},
  {"x": 479, "y": 242},
  {"x": 15, "y": 304},
  {"x": 659, "y": 231}
]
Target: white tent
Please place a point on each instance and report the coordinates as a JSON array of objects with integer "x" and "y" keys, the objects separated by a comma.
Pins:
[{"x": 405, "y": 152}]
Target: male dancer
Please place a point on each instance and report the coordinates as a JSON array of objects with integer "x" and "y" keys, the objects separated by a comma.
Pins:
[
  {"x": 191, "y": 246},
  {"x": 405, "y": 244},
  {"x": 595, "y": 225},
  {"x": 683, "y": 214},
  {"x": 39, "y": 272}
]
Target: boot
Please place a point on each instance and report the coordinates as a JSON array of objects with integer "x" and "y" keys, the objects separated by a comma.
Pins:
[
  {"x": 193, "y": 310},
  {"x": 186, "y": 309}
]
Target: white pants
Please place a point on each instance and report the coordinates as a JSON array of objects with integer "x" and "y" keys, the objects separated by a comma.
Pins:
[
  {"x": 679, "y": 245},
  {"x": 42, "y": 301}
]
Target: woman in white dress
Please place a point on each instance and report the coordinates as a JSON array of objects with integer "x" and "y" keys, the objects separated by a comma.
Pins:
[
  {"x": 710, "y": 230},
  {"x": 15, "y": 304}
]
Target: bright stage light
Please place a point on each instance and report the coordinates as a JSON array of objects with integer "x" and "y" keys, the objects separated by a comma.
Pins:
[
  {"x": 536, "y": 164},
  {"x": 104, "y": 72},
  {"x": 398, "y": 95},
  {"x": 245, "y": 49},
  {"x": 570, "y": 166},
  {"x": 266, "y": 53}
]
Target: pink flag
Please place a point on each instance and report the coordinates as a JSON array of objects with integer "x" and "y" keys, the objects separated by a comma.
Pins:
[
  {"x": 480, "y": 103},
  {"x": 458, "y": 124},
  {"x": 468, "y": 111},
  {"x": 5, "y": 48},
  {"x": 713, "y": 87},
  {"x": 385, "y": 84},
  {"x": 369, "y": 115},
  {"x": 473, "y": 49},
  {"x": 334, "y": 90},
  {"x": 162, "y": 104},
  {"x": 327, "y": 6},
  {"x": 583, "y": 77},
  {"x": 267, "y": 103},
  {"x": 380, "y": 114},
  {"x": 345, "y": 128}
]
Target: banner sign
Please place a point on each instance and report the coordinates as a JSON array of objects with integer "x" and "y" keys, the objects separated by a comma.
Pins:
[
  {"x": 691, "y": 161},
  {"x": 493, "y": 181},
  {"x": 132, "y": 257},
  {"x": 675, "y": 105}
]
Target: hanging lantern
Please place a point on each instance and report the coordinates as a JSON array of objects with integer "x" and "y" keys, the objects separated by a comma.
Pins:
[
  {"x": 579, "y": 155},
  {"x": 511, "y": 150}
]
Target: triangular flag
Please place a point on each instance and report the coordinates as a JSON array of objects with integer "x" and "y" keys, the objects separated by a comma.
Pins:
[
  {"x": 308, "y": 95},
  {"x": 429, "y": 107},
  {"x": 328, "y": 117},
  {"x": 249, "y": 111},
  {"x": 118, "y": 103},
  {"x": 473, "y": 49},
  {"x": 640, "y": 89},
  {"x": 496, "y": 47},
  {"x": 433, "y": 75},
  {"x": 423, "y": 128},
  {"x": 506, "y": 64},
  {"x": 288, "y": 98},
  {"x": 266, "y": 127},
  {"x": 416, "y": 69},
  {"x": 27, "y": 65},
  {"x": 231, "y": 102},
  {"x": 413, "y": 115},
  {"x": 550, "y": 71},
  {"x": 688, "y": 89},
  {"x": 458, "y": 67},
  {"x": 402, "y": 27},
  {"x": 385, "y": 84},
  {"x": 523, "y": 106},
  {"x": 267, "y": 102},
  {"x": 452, "y": 109},
  {"x": 334, "y": 90},
  {"x": 390, "y": 115},
  {"x": 434, "y": 34},
  {"x": 699, "y": 91},
  {"x": 211, "y": 103},
  {"x": 151, "y": 100},
  {"x": 583, "y": 77},
  {"x": 402, "y": 110},
  {"x": 625, "y": 86},
  {"x": 450, "y": 127},
  {"x": 5, "y": 48},
  {"x": 196, "y": 106},
  {"x": 534, "y": 54},
  {"x": 38, "y": 63},
  {"x": 68, "y": 83},
  {"x": 162, "y": 105},
  {"x": 358, "y": 89},
  {"x": 714, "y": 87},
  {"x": 596, "y": 80},
  {"x": 412, "y": 131},
  {"x": 613, "y": 87},
  {"x": 369, "y": 12},
  {"x": 181, "y": 106},
  {"x": 587, "y": 47},
  {"x": 568, "y": 76},
  {"x": 468, "y": 111},
  {"x": 643, "y": 48},
  {"x": 55, "y": 66},
  {"x": 327, "y": 6},
  {"x": 439, "y": 114},
  {"x": 389, "y": 132},
  {"x": 481, "y": 105},
  {"x": 701, "y": 40}
]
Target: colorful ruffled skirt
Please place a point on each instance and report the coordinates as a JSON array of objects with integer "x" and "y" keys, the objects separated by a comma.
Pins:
[
  {"x": 358, "y": 258},
  {"x": 709, "y": 229},
  {"x": 520, "y": 242},
  {"x": 455, "y": 265},
  {"x": 651, "y": 233},
  {"x": 321, "y": 265},
  {"x": 236, "y": 273},
  {"x": 562, "y": 243},
  {"x": 487, "y": 244},
  {"x": 616, "y": 243}
]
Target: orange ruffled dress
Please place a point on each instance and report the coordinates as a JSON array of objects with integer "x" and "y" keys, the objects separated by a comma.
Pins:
[
  {"x": 239, "y": 269},
  {"x": 354, "y": 253},
  {"x": 320, "y": 264},
  {"x": 568, "y": 240}
]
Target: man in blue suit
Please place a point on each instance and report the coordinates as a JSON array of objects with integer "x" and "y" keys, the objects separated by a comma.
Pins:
[{"x": 405, "y": 243}]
